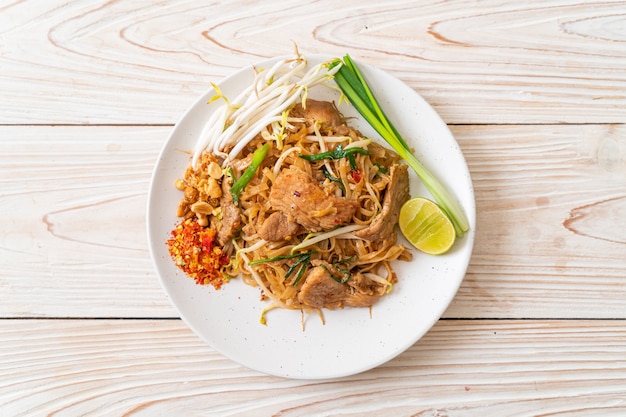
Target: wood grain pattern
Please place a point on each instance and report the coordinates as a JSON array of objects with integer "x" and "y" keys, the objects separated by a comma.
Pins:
[
  {"x": 550, "y": 229},
  {"x": 74, "y": 237},
  {"x": 159, "y": 368},
  {"x": 550, "y": 235},
  {"x": 145, "y": 62},
  {"x": 535, "y": 93}
]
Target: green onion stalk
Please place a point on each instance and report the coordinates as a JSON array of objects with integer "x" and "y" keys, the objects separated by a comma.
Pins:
[
  {"x": 355, "y": 88},
  {"x": 257, "y": 158}
]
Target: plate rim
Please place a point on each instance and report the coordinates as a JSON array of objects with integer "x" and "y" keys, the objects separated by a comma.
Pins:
[{"x": 469, "y": 237}]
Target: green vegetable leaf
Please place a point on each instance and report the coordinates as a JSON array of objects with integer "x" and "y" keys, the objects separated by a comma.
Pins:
[
  {"x": 338, "y": 153},
  {"x": 333, "y": 179},
  {"x": 302, "y": 262},
  {"x": 340, "y": 279},
  {"x": 280, "y": 258}
]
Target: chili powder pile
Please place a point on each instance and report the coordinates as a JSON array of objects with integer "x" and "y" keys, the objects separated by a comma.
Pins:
[{"x": 193, "y": 248}]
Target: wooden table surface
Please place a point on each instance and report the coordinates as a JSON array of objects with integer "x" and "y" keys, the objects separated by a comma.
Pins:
[{"x": 535, "y": 94}]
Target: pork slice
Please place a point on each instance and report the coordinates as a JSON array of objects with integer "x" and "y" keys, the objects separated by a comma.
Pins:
[
  {"x": 277, "y": 227},
  {"x": 322, "y": 112},
  {"x": 320, "y": 289},
  {"x": 363, "y": 291},
  {"x": 397, "y": 193},
  {"x": 296, "y": 194},
  {"x": 230, "y": 221}
]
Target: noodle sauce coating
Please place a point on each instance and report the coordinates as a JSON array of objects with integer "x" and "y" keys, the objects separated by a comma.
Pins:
[{"x": 309, "y": 234}]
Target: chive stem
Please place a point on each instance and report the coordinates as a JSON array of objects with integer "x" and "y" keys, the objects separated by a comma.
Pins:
[
  {"x": 338, "y": 153},
  {"x": 355, "y": 88},
  {"x": 280, "y": 258},
  {"x": 257, "y": 158}
]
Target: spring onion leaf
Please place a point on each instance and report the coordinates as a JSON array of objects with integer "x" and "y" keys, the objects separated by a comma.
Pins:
[
  {"x": 338, "y": 153},
  {"x": 355, "y": 88},
  {"x": 342, "y": 280},
  {"x": 381, "y": 168},
  {"x": 344, "y": 260},
  {"x": 257, "y": 158},
  {"x": 293, "y": 267},
  {"x": 333, "y": 179},
  {"x": 280, "y": 258},
  {"x": 305, "y": 263},
  {"x": 302, "y": 262}
]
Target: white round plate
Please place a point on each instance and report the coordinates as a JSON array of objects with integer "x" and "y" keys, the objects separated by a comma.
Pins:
[{"x": 352, "y": 340}]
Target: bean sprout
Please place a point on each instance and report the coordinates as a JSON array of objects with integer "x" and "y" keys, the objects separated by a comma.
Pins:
[{"x": 273, "y": 91}]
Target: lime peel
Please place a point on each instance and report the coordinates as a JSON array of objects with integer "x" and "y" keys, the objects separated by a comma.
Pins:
[{"x": 426, "y": 226}]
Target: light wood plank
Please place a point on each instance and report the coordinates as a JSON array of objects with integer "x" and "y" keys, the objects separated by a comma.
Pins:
[
  {"x": 146, "y": 62},
  {"x": 551, "y": 239},
  {"x": 550, "y": 230},
  {"x": 73, "y": 230},
  {"x": 460, "y": 368}
]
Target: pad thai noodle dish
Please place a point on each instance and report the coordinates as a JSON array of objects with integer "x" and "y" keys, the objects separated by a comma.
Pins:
[{"x": 283, "y": 192}]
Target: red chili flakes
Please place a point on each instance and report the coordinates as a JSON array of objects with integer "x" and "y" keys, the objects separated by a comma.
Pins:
[{"x": 193, "y": 249}]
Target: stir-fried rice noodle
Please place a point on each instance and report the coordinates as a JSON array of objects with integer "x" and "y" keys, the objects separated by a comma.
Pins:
[{"x": 309, "y": 233}]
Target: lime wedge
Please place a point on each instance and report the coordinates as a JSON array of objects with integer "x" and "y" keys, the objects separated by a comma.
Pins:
[{"x": 426, "y": 226}]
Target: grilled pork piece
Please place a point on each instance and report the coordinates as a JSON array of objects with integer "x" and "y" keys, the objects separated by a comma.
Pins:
[
  {"x": 321, "y": 290},
  {"x": 277, "y": 227},
  {"x": 322, "y": 112},
  {"x": 397, "y": 193},
  {"x": 230, "y": 221},
  {"x": 300, "y": 198}
]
